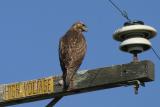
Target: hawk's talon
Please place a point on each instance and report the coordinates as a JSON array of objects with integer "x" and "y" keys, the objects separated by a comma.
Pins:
[{"x": 60, "y": 82}]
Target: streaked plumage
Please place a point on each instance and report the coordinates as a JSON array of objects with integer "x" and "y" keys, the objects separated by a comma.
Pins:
[{"x": 72, "y": 49}]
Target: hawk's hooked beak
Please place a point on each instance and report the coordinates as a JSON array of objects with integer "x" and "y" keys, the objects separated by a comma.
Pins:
[{"x": 84, "y": 28}]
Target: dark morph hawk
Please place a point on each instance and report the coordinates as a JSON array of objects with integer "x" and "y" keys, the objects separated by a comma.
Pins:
[{"x": 72, "y": 49}]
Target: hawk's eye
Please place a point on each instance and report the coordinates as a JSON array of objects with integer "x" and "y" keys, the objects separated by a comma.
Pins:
[{"x": 83, "y": 25}]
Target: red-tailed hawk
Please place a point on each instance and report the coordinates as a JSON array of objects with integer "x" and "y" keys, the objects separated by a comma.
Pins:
[{"x": 72, "y": 49}]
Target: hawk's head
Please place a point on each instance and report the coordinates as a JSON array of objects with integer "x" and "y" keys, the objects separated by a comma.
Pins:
[{"x": 80, "y": 27}]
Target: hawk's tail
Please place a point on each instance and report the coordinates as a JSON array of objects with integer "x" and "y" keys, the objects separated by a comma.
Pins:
[
  {"x": 67, "y": 79},
  {"x": 66, "y": 82}
]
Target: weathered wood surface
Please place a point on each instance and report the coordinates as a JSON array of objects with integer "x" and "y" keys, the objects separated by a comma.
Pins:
[{"x": 84, "y": 81}]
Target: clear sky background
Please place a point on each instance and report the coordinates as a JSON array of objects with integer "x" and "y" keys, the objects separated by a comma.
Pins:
[{"x": 29, "y": 37}]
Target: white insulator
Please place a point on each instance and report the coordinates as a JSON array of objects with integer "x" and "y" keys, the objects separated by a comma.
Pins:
[
  {"x": 135, "y": 45},
  {"x": 126, "y": 32}
]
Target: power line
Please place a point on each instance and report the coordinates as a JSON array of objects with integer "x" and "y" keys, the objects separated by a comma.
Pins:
[
  {"x": 154, "y": 51},
  {"x": 123, "y": 12}
]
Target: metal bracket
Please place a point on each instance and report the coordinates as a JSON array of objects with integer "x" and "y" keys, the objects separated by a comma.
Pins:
[{"x": 136, "y": 85}]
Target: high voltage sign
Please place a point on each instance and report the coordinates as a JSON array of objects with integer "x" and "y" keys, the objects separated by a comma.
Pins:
[{"x": 28, "y": 88}]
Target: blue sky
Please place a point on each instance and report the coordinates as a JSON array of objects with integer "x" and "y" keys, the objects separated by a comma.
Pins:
[{"x": 29, "y": 36}]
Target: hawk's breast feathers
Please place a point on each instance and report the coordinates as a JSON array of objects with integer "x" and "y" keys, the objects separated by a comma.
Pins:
[{"x": 72, "y": 49}]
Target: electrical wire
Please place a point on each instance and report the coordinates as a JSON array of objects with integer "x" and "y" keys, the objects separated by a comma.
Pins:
[
  {"x": 154, "y": 51},
  {"x": 123, "y": 12}
]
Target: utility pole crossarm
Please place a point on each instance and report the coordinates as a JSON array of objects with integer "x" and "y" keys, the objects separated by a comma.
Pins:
[{"x": 84, "y": 81}]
